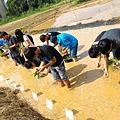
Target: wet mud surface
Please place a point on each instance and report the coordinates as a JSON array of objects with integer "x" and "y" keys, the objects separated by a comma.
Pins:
[{"x": 91, "y": 97}]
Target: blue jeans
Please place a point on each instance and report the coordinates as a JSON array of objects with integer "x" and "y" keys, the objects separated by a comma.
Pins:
[
  {"x": 73, "y": 51},
  {"x": 59, "y": 72}
]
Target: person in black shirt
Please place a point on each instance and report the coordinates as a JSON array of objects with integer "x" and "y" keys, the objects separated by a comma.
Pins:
[
  {"x": 94, "y": 52},
  {"x": 50, "y": 36},
  {"x": 13, "y": 46},
  {"x": 55, "y": 63}
]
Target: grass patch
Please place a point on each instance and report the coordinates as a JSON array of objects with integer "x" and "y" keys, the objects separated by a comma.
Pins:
[
  {"x": 112, "y": 63},
  {"x": 41, "y": 9}
]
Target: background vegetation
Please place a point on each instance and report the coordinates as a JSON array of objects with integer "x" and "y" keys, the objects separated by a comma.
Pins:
[{"x": 18, "y": 9}]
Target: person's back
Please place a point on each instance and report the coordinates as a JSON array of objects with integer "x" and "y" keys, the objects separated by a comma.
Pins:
[
  {"x": 26, "y": 39},
  {"x": 49, "y": 52},
  {"x": 67, "y": 40},
  {"x": 114, "y": 36},
  {"x": 95, "y": 43},
  {"x": 94, "y": 52},
  {"x": 23, "y": 38},
  {"x": 53, "y": 33}
]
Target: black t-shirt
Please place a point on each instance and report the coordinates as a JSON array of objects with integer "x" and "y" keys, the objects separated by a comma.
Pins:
[
  {"x": 49, "y": 52},
  {"x": 53, "y": 36},
  {"x": 95, "y": 43},
  {"x": 13, "y": 51}
]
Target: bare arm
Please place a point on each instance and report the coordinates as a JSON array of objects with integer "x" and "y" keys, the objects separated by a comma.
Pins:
[
  {"x": 27, "y": 43},
  {"x": 51, "y": 62},
  {"x": 55, "y": 44},
  {"x": 65, "y": 50},
  {"x": 47, "y": 42},
  {"x": 47, "y": 69},
  {"x": 15, "y": 45},
  {"x": 105, "y": 62},
  {"x": 98, "y": 61}
]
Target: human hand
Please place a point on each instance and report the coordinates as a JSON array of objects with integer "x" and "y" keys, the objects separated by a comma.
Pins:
[
  {"x": 65, "y": 50},
  {"x": 106, "y": 74},
  {"x": 1, "y": 47},
  {"x": 98, "y": 64},
  {"x": 42, "y": 69}
]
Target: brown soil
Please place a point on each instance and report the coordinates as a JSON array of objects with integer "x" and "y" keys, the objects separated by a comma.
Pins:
[
  {"x": 30, "y": 22},
  {"x": 12, "y": 108}
]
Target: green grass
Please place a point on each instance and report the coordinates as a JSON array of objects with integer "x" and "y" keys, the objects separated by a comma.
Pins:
[
  {"x": 113, "y": 60},
  {"x": 40, "y": 9},
  {"x": 111, "y": 63},
  {"x": 1, "y": 53}
]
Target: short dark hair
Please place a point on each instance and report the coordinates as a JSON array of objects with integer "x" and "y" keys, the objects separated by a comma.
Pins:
[
  {"x": 28, "y": 64},
  {"x": 93, "y": 52},
  {"x": 3, "y": 33},
  {"x": 42, "y": 38},
  {"x": 37, "y": 62},
  {"x": 30, "y": 53},
  {"x": 104, "y": 45}
]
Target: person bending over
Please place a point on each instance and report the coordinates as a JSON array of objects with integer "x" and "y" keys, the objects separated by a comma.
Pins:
[
  {"x": 110, "y": 41},
  {"x": 94, "y": 52},
  {"x": 55, "y": 63}
]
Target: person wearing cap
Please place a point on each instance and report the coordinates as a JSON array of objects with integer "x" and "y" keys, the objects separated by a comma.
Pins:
[
  {"x": 13, "y": 46},
  {"x": 55, "y": 63}
]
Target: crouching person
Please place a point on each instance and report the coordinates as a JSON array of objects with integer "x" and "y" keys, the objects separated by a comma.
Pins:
[{"x": 55, "y": 63}]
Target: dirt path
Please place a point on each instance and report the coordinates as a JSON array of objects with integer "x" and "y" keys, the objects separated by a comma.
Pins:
[{"x": 30, "y": 22}]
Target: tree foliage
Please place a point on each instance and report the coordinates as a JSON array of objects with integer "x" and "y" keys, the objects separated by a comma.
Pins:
[{"x": 17, "y": 7}]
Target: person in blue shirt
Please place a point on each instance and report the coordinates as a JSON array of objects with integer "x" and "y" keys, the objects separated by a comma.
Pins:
[
  {"x": 69, "y": 42},
  {"x": 3, "y": 52}
]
